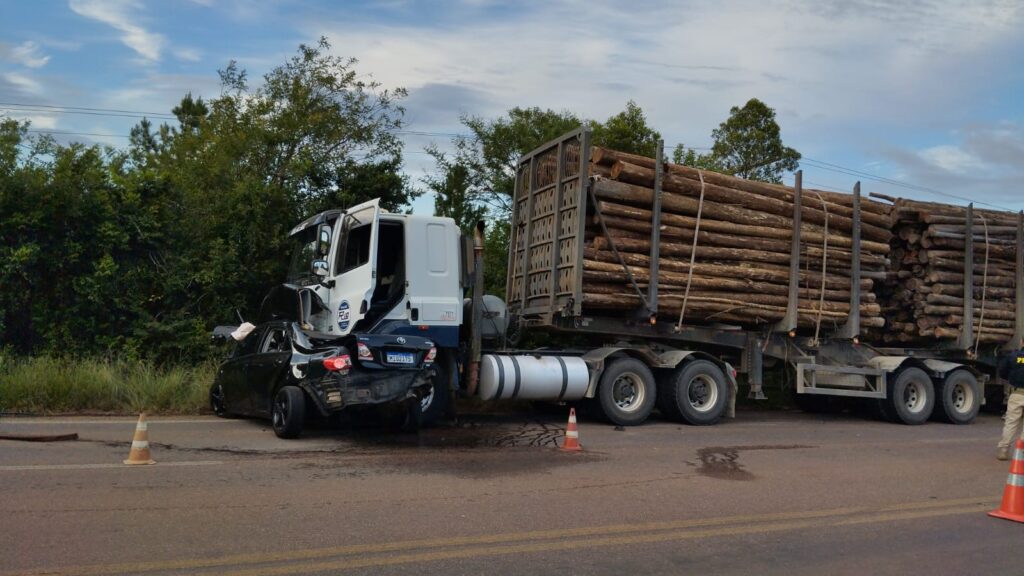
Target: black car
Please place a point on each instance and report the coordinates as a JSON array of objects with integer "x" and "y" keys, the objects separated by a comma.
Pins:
[{"x": 282, "y": 372}]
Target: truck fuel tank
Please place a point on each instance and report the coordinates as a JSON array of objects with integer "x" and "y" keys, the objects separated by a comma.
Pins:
[{"x": 556, "y": 378}]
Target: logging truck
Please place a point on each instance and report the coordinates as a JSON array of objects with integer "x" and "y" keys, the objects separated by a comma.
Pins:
[{"x": 669, "y": 281}]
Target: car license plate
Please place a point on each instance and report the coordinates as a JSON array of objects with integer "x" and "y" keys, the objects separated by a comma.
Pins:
[{"x": 401, "y": 358}]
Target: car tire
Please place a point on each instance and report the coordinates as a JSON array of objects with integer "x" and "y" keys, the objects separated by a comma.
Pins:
[
  {"x": 959, "y": 398},
  {"x": 695, "y": 393},
  {"x": 288, "y": 412},
  {"x": 910, "y": 397},
  {"x": 218, "y": 405},
  {"x": 627, "y": 392},
  {"x": 436, "y": 404}
]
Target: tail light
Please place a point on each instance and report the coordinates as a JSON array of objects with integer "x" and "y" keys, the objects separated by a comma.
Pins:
[
  {"x": 337, "y": 363},
  {"x": 431, "y": 355},
  {"x": 364, "y": 352}
]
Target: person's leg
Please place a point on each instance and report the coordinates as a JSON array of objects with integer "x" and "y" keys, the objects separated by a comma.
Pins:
[{"x": 1012, "y": 423}]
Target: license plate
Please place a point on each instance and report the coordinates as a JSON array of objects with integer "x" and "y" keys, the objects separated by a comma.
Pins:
[{"x": 401, "y": 358}]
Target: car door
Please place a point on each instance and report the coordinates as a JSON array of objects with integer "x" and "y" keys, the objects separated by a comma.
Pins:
[
  {"x": 232, "y": 376},
  {"x": 355, "y": 267},
  {"x": 267, "y": 367}
]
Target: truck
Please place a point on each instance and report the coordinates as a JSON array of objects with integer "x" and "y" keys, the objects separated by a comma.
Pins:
[{"x": 375, "y": 272}]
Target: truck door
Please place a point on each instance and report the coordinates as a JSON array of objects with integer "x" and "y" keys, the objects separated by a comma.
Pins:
[{"x": 355, "y": 266}]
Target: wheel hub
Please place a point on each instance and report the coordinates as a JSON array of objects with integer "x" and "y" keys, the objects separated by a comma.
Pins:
[{"x": 628, "y": 392}]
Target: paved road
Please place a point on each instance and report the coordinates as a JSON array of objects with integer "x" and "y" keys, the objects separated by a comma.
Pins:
[{"x": 767, "y": 493}]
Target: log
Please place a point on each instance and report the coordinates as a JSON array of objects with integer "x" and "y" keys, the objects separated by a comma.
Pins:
[
  {"x": 677, "y": 184},
  {"x": 808, "y": 233},
  {"x": 838, "y": 200},
  {"x": 762, "y": 272}
]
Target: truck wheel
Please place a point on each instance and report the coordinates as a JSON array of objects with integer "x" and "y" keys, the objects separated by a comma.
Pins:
[
  {"x": 627, "y": 392},
  {"x": 435, "y": 404},
  {"x": 288, "y": 412},
  {"x": 695, "y": 393},
  {"x": 960, "y": 398},
  {"x": 910, "y": 397}
]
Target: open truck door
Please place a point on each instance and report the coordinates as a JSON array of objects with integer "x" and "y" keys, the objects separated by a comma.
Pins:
[{"x": 355, "y": 265}]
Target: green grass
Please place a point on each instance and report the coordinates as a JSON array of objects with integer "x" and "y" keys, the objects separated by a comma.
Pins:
[{"x": 47, "y": 385}]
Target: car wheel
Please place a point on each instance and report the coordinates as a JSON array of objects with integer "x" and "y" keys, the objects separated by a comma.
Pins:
[
  {"x": 288, "y": 412},
  {"x": 436, "y": 403},
  {"x": 217, "y": 403},
  {"x": 627, "y": 392}
]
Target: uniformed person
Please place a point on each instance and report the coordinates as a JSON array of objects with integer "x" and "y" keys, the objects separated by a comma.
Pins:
[{"x": 1011, "y": 368}]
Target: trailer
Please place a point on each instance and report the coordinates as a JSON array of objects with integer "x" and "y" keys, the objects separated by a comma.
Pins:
[
  {"x": 554, "y": 198},
  {"x": 372, "y": 272}
]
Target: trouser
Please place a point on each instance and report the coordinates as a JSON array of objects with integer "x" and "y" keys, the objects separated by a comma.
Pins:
[{"x": 1013, "y": 421}]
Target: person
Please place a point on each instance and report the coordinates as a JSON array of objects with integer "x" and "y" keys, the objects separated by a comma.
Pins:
[{"x": 1011, "y": 369}]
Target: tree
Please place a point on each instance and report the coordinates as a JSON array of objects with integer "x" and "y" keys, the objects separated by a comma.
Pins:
[
  {"x": 141, "y": 251},
  {"x": 452, "y": 195},
  {"x": 749, "y": 145},
  {"x": 627, "y": 131}
]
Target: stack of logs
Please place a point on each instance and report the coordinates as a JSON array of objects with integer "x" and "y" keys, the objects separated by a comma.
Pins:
[
  {"x": 742, "y": 258},
  {"x": 924, "y": 294}
]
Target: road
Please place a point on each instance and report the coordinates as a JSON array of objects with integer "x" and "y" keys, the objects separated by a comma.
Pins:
[{"x": 766, "y": 493}]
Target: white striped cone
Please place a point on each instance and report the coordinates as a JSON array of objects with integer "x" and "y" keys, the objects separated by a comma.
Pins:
[
  {"x": 572, "y": 434},
  {"x": 139, "y": 453}
]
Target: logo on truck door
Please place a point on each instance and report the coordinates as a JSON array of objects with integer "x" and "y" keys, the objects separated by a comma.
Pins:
[{"x": 343, "y": 315}]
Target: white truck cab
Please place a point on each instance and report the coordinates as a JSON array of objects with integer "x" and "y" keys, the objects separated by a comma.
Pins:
[{"x": 380, "y": 272}]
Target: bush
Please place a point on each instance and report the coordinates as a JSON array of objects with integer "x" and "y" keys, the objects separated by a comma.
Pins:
[{"x": 49, "y": 384}]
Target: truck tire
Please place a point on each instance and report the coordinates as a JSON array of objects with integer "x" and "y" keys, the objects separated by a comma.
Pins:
[
  {"x": 627, "y": 392},
  {"x": 910, "y": 397},
  {"x": 959, "y": 397},
  {"x": 436, "y": 404},
  {"x": 288, "y": 412},
  {"x": 695, "y": 393}
]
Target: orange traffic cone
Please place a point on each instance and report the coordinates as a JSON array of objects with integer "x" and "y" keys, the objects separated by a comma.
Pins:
[
  {"x": 140, "y": 444},
  {"x": 572, "y": 435},
  {"x": 1013, "y": 495}
]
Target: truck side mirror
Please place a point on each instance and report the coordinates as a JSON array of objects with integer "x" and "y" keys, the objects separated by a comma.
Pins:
[
  {"x": 323, "y": 236},
  {"x": 319, "y": 268}
]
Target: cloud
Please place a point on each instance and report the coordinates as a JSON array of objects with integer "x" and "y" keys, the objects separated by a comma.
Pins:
[
  {"x": 119, "y": 15},
  {"x": 27, "y": 53},
  {"x": 985, "y": 162},
  {"x": 188, "y": 54},
  {"x": 20, "y": 84}
]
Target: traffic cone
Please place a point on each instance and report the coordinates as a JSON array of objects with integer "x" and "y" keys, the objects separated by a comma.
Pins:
[
  {"x": 140, "y": 444},
  {"x": 1012, "y": 507},
  {"x": 572, "y": 435}
]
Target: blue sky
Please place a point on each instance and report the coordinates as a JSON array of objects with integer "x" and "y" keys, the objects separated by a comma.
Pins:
[{"x": 929, "y": 94}]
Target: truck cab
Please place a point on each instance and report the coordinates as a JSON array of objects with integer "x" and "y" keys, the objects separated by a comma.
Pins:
[{"x": 382, "y": 273}]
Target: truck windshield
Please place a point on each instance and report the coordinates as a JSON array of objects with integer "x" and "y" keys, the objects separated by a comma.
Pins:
[{"x": 303, "y": 254}]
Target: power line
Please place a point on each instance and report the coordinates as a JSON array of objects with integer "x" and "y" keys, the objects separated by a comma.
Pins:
[
  {"x": 822, "y": 165},
  {"x": 86, "y": 109},
  {"x": 68, "y": 133}
]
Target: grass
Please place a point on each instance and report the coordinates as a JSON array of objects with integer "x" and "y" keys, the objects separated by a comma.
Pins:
[{"x": 48, "y": 385}]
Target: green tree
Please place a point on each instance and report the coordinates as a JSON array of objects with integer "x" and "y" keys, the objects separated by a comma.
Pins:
[
  {"x": 141, "y": 251},
  {"x": 452, "y": 195},
  {"x": 627, "y": 131},
  {"x": 749, "y": 144}
]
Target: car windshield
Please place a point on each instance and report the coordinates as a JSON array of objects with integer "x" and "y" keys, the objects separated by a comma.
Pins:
[{"x": 303, "y": 254}]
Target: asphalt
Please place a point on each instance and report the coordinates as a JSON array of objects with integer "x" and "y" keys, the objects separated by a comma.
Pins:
[{"x": 766, "y": 493}]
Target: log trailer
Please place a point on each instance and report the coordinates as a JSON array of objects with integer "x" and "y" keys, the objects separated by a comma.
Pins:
[{"x": 376, "y": 272}]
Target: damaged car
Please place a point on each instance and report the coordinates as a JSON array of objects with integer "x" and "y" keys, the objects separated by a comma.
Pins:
[{"x": 282, "y": 370}]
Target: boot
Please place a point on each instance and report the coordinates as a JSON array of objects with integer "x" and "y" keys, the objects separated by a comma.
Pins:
[{"x": 1003, "y": 454}]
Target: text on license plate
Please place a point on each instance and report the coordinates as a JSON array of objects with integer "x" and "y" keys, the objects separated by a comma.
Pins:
[{"x": 401, "y": 358}]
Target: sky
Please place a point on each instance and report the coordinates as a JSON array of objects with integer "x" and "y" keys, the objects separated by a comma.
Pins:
[{"x": 921, "y": 99}]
